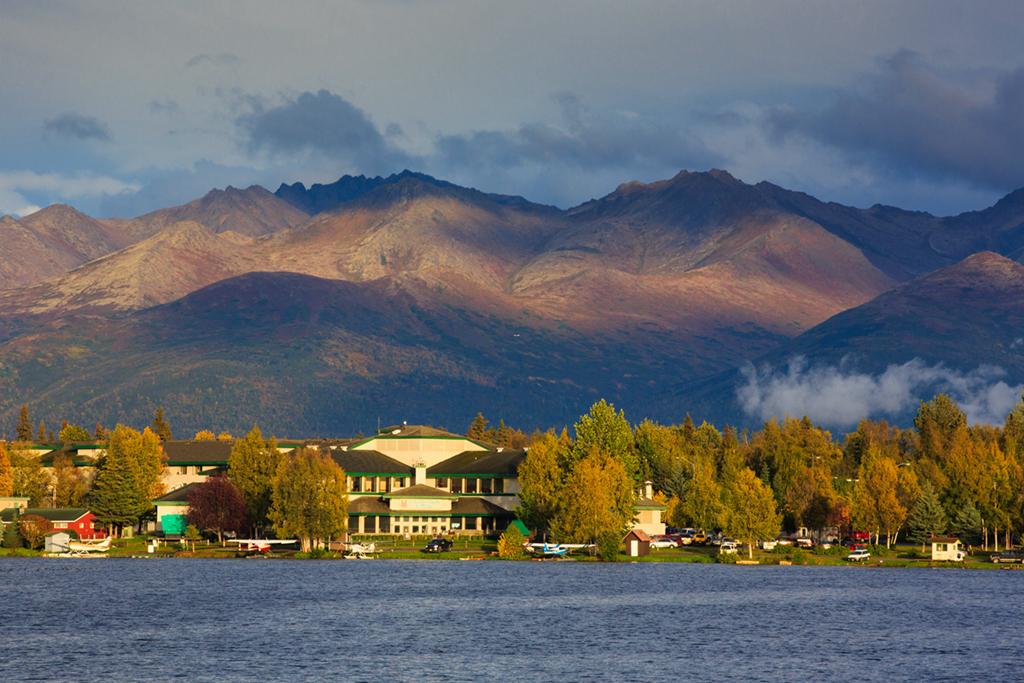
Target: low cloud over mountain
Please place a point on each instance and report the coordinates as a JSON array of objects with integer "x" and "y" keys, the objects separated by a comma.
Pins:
[{"x": 839, "y": 396}]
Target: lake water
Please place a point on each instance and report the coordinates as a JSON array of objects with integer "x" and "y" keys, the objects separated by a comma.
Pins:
[{"x": 242, "y": 620}]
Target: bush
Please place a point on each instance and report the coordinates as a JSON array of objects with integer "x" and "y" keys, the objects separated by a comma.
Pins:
[
  {"x": 726, "y": 558},
  {"x": 608, "y": 547},
  {"x": 510, "y": 544}
]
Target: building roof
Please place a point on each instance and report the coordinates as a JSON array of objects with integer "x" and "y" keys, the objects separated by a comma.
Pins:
[
  {"x": 197, "y": 452},
  {"x": 178, "y": 495},
  {"x": 504, "y": 462},
  {"x": 943, "y": 539},
  {"x": 419, "y": 491},
  {"x": 416, "y": 430},
  {"x": 648, "y": 504},
  {"x": 367, "y": 505},
  {"x": 473, "y": 505},
  {"x": 640, "y": 534},
  {"x": 369, "y": 462},
  {"x": 81, "y": 454},
  {"x": 49, "y": 514}
]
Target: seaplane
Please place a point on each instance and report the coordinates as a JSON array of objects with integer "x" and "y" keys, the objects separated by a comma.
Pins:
[
  {"x": 555, "y": 549},
  {"x": 83, "y": 548},
  {"x": 360, "y": 551},
  {"x": 260, "y": 545}
]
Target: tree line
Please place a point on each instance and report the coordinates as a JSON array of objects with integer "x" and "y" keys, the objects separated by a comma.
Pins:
[{"x": 939, "y": 476}]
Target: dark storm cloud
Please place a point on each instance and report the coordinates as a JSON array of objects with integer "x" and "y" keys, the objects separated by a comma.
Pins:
[
  {"x": 219, "y": 59},
  {"x": 584, "y": 140},
  {"x": 909, "y": 117},
  {"x": 77, "y": 127},
  {"x": 320, "y": 123}
]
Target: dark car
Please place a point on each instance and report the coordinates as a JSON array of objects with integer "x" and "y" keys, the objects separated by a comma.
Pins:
[
  {"x": 438, "y": 545},
  {"x": 1009, "y": 556}
]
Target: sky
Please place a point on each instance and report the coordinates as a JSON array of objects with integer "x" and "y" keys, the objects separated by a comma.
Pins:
[{"x": 119, "y": 108}]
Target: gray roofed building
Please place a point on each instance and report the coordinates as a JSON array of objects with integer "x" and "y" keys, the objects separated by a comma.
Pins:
[
  {"x": 369, "y": 463},
  {"x": 504, "y": 463}
]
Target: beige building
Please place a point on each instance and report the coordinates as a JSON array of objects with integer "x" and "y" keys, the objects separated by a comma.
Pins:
[
  {"x": 946, "y": 549},
  {"x": 412, "y": 479},
  {"x": 648, "y": 513}
]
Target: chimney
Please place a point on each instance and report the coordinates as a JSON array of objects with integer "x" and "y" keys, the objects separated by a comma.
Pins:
[{"x": 648, "y": 490}]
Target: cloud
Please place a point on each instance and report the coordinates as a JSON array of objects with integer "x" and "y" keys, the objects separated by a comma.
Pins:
[
  {"x": 321, "y": 123},
  {"x": 218, "y": 59},
  {"x": 14, "y": 185},
  {"x": 584, "y": 140},
  {"x": 910, "y": 117},
  {"x": 840, "y": 397},
  {"x": 77, "y": 126},
  {"x": 164, "y": 106}
]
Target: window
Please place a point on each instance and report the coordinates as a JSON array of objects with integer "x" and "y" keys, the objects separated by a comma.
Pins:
[
  {"x": 486, "y": 485},
  {"x": 183, "y": 469},
  {"x": 385, "y": 525},
  {"x": 353, "y": 524},
  {"x": 370, "y": 525},
  {"x": 415, "y": 528},
  {"x": 942, "y": 547},
  {"x": 456, "y": 486},
  {"x": 499, "y": 486},
  {"x": 401, "y": 482},
  {"x": 470, "y": 485},
  {"x": 357, "y": 485},
  {"x": 442, "y": 482},
  {"x": 371, "y": 484},
  {"x": 470, "y": 523}
]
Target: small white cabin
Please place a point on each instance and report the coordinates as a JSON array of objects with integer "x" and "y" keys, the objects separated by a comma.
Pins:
[{"x": 946, "y": 549}]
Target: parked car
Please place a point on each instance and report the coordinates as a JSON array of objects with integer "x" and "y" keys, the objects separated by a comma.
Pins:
[
  {"x": 438, "y": 545},
  {"x": 728, "y": 547},
  {"x": 715, "y": 538},
  {"x": 700, "y": 538},
  {"x": 767, "y": 545},
  {"x": 860, "y": 555},
  {"x": 661, "y": 542},
  {"x": 805, "y": 543},
  {"x": 784, "y": 540},
  {"x": 858, "y": 538},
  {"x": 685, "y": 538},
  {"x": 1009, "y": 556}
]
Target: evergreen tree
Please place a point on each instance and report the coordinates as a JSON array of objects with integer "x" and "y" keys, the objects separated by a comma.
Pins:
[
  {"x": 99, "y": 433},
  {"x": 310, "y": 499},
  {"x": 501, "y": 436},
  {"x": 752, "y": 515},
  {"x": 252, "y": 466},
  {"x": 24, "y": 429},
  {"x": 927, "y": 518},
  {"x": 41, "y": 435},
  {"x": 128, "y": 478},
  {"x": 161, "y": 426},
  {"x": 478, "y": 428},
  {"x": 967, "y": 524},
  {"x": 6, "y": 472},
  {"x": 12, "y": 535}
]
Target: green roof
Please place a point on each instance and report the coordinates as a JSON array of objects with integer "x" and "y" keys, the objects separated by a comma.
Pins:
[{"x": 49, "y": 514}]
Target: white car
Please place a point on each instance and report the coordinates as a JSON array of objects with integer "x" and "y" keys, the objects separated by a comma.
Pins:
[
  {"x": 859, "y": 555},
  {"x": 662, "y": 542},
  {"x": 728, "y": 547},
  {"x": 768, "y": 545}
]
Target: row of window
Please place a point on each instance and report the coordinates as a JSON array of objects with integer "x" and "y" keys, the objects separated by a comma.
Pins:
[
  {"x": 412, "y": 524},
  {"x": 484, "y": 485}
]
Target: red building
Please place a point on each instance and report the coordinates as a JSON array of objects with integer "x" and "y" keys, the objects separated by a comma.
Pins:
[{"x": 73, "y": 520}]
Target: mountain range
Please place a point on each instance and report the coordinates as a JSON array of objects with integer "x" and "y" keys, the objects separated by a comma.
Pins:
[{"x": 317, "y": 310}]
